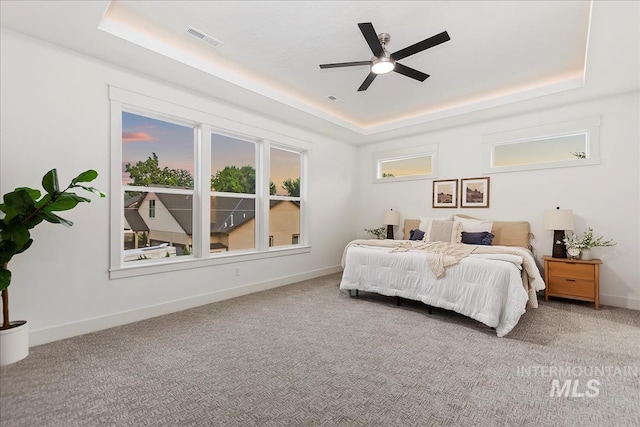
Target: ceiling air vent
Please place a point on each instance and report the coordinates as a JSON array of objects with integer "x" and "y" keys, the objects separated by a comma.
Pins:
[{"x": 203, "y": 36}]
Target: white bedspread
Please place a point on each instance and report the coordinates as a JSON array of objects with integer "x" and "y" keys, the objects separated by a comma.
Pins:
[{"x": 488, "y": 288}]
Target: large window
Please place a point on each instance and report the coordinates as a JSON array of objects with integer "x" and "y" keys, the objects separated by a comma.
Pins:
[{"x": 191, "y": 190}]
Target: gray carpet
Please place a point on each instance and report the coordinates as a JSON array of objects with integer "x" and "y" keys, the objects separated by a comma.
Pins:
[{"x": 308, "y": 355}]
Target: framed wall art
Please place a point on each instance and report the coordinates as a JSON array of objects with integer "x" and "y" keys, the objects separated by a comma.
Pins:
[
  {"x": 474, "y": 192},
  {"x": 445, "y": 193}
]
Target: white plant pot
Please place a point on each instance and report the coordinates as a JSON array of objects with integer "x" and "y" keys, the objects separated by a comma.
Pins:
[
  {"x": 585, "y": 254},
  {"x": 14, "y": 342}
]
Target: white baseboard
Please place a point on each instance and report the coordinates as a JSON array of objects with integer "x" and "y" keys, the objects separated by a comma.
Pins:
[
  {"x": 618, "y": 301},
  {"x": 68, "y": 330}
]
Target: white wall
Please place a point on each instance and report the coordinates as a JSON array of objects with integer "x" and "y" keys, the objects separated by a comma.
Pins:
[
  {"x": 55, "y": 114},
  {"x": 603, "y": 196}
]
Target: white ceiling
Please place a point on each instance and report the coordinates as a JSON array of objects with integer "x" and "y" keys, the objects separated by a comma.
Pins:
[{"x": 500, "y": 51}]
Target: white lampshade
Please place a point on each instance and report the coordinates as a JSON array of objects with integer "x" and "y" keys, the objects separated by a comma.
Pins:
[
  {"x": 558, "y": 219},
  {"x": 391, "y": 217}
]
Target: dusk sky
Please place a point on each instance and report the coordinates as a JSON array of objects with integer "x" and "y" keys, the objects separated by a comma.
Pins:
[
  {"x": 407, "y": 167},
  {"x": 539, "y": 151},
  {"x": 174, "y": 145}
]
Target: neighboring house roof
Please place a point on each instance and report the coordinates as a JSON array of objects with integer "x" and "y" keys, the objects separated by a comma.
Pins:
[
  {"x": 132, "y": 215},
  {"x": 230, "y": 213},
  {"x": 180, "y": 206},
  {"x": 227, "y": 213}
]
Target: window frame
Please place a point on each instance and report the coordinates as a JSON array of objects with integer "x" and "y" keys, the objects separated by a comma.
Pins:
[
  {"x": 152, "y": 208},
  {"x": 204, "y": 124},
  {"x": 428, "y": 150},
  {"x": 300, "y": 199},
  {"x": 589, "y": 126}
]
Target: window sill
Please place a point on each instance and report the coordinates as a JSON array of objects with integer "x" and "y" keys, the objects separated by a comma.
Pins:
[{"x": 191, "y": 263}]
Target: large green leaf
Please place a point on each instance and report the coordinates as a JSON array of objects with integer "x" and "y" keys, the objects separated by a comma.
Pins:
[
  {"x": 46, "y": 199},
  {"x": 86, "y": 176},
  {"x": 93, "y": 190},
  {"x": 9, "y": 212},
  {"x": 25, "y": 247},
  {"x": 55, "y": 219},
  {"x": 64, "y": 202},
  {"x": 20, "y": 200},
  {"x": 50, "y": 182},
  {"x": 5, "y": 279},
  {"x": 32, "y": 192},
  {"x": 18, "y": 234}
]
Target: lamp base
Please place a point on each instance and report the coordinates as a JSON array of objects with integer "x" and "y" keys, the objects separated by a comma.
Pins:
[
  {"x": 559, "y": 250},
  {"x": 390, "y": 232}
]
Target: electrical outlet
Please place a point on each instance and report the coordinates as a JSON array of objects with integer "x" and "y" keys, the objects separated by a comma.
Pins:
[{"x": 237, "y": 271}]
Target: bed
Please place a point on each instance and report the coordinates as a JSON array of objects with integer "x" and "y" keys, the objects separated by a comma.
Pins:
[{"x": 492, "y": 284}]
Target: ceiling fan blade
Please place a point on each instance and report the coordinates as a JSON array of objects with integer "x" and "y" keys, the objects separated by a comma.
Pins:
[
  {"x": 410, "y": 72},
  {"x": 420, "y": 46},
  {"x": 372, "y": 38},
  {"x": 367, "y": 82},
  {"x": 345, "y": 64}
]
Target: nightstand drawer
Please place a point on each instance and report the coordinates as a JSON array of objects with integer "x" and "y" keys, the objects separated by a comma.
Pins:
[
  {"x": 573, "y": 270},
  {"x": 572, "y": 287}
]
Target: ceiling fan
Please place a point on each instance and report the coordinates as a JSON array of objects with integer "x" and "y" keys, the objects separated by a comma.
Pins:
[{"x": 384, "y": 62}]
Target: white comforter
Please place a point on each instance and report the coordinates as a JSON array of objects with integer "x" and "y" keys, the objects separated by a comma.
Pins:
[{"x": 485, "y": 289}]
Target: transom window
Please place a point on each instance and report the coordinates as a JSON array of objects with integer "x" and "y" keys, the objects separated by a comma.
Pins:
[
  {"x": 406, "y": 164},
  {"x": 572, "y": 143}
]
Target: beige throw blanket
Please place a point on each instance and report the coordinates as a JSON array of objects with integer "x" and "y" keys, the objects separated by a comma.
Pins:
[{"x": 441, "y": 255}]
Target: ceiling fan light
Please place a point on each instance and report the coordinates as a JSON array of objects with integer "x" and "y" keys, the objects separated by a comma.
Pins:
[{"x": 382, "y": 65}]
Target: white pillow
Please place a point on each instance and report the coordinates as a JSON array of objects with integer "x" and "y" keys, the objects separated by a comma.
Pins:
[
  {"x": 470, "y": 225},
  {"x": 424, "y": 221}
]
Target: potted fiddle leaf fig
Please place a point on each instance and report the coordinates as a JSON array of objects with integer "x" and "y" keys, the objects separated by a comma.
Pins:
[{"x": 21, "y": 210}]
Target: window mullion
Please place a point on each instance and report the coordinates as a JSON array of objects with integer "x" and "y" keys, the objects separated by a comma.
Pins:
[
  {"x": 202, "y": 192},
  {"x": 264, "y": 200},
  {"x": 304, "y": 235}
]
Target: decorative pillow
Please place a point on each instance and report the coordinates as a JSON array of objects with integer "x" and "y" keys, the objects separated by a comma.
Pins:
[
  {"x": 424, "y": 221},
  {"x": 416, "y": 234},
  {"x": 470, "y": 225},
  {"x": 477, "y": 238},
  {"x": 443, "y": 231}
]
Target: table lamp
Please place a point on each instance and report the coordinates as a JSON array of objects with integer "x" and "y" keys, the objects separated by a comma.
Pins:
[
  {"x": 390, "y": 218},
  {"x": 558, "y": 220}
]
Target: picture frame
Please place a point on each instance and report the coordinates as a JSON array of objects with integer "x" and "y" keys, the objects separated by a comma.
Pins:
[
  {"x": 445, "y": 193},
  {"x": 474, "y": 192}
]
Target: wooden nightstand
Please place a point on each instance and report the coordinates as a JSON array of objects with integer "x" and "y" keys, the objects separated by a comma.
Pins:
[{"x": 572, "y": 278}]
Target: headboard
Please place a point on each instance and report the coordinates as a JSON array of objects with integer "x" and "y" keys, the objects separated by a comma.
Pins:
[{"x": 507, "y": 233}]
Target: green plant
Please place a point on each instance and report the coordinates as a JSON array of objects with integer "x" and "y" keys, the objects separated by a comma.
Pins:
[
  {"x": 586, "y": 241},
  {"x": 23, "y": 209},
  {"x": 380, "y": 232},
  {"x": 589, "y": 241}
]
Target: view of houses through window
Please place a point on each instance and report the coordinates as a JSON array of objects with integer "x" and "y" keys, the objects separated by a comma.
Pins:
[{"x": 158, "y": 160}]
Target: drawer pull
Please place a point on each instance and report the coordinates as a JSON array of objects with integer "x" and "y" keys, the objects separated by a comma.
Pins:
[{"x": 571, "y": 280}]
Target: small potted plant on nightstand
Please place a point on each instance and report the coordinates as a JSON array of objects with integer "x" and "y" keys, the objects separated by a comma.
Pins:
[
  {"x": 23, "y": 209},
  {"x": 588, "y": 241},
  {"x": 580, "y": 247}
]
